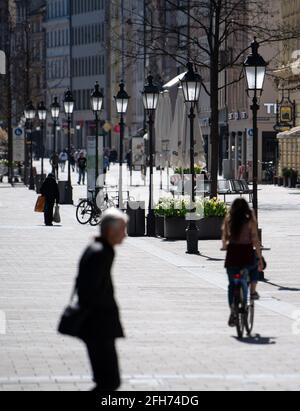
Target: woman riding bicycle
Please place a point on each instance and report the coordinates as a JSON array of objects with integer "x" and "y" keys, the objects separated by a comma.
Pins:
[{"x": 241, "y": 241}]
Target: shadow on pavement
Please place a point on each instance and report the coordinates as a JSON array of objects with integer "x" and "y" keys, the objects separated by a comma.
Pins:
[
  {"x": 257, "y": 340},
  {"x": 211, "y": 258},
  {"x": 282, "y": 288}
]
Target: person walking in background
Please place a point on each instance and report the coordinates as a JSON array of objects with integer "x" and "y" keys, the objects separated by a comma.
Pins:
[
  {"x": 72, "y": 161},
  {"x": 129, "y": 159},
  {"x": 96, "y": 296},
  {"x": 63, "y": 158},
  {"x": 113, "y": 156},
  {"x": 241, "y": 241},
  {"x": 76, "y": 156},
  {"x": 54, "y": 161},
  {"x": 82, "y": 164},
  {"x": 105, "y": 167},
  {"x": 50, "y": 191}
]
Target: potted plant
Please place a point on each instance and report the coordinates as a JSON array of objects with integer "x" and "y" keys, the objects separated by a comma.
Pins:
[
  {"x": 160, "y": 212},
  {"x": 175, "y": 220},
  {"x": 210, "y": 227}
]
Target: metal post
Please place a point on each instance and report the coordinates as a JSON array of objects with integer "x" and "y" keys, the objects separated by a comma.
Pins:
[
  {"x": 54, "y": 167},
  {"x": 255, "y": 108},
  {"x": 43, "y": 151},
  {"x": 69, "y": 189},
  {"x": 151, "y": 216},
  {"x": 97, "y": 152},
  {"x": 192, "y": 231},
  {"x": 31, "y": 179},
  {"x": 122, "y": 125}
]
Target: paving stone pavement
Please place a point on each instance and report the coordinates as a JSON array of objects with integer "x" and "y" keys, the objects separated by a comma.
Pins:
[{"x": 173, "y": 306}]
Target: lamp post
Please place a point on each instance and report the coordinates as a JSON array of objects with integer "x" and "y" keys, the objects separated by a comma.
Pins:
[
  {"x": 55, "y": 109},
  {"x": 255, "y": 70},
  {"x": 30, "y": 116},
  {"x": 69, "y": 108},
  {"x": 191, "y": 87},
  {"x": 122, "y": 100},
  {"x": 97, "y": 99},
  {"x": 150, "y": 100},
  {"x": 42, "y": 114}
]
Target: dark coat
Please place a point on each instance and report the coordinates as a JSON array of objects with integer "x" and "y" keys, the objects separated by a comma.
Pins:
[
  {"x": 50, "y": 190},
  {"x": 96, "y": 293}
]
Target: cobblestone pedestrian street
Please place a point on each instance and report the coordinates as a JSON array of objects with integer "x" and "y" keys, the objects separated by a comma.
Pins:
[{"x": 173, "y": 306}]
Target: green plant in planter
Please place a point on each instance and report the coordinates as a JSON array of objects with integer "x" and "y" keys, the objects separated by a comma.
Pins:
[
  {"x": 162, "y": 206},
  {"x": 215, "y": 208},
  {"x": 180, "y": 170}
]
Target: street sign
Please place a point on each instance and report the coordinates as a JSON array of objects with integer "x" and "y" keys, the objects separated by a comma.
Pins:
[
  {"x": 18, "y": 144},
  {"x": 2, "y": 62}
]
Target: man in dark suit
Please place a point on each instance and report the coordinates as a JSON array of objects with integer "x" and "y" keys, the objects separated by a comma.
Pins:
[
  {"x": 50, "y": 191},
  {"x": 96, "y": 296}
]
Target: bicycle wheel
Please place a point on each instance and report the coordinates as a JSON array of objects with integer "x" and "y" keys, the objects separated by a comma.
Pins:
[
  {"x": 96, "y": 218},
  {"x": 250, "y": 318},
  {"x": 84, "y": 212},
  {"x": 240, "y": 313}
]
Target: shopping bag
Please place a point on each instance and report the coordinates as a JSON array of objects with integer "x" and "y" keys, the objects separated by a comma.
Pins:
[
  {"x": 40, "y": 204},
  {"x": 56, "y": 216}
]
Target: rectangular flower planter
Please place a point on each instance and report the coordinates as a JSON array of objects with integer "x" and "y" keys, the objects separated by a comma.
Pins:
[
  {"x": 175, "y": 228},
  {"x": 160, "y": 226},
  {"x": 210, "y": 228}
]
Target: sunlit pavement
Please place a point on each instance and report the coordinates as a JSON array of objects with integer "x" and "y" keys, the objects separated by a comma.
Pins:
[{"x": 173, "y": 305}]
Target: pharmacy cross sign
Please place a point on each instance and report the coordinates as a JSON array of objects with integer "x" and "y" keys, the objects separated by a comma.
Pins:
[{"x": 2, "y": 62}]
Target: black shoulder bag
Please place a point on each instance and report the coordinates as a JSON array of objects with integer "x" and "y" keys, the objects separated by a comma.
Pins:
[{"x": 73, "y": 318}]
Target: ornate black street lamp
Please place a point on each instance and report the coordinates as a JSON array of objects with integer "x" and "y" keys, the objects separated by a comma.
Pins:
[
  {"x": 255, "y": 70},
  {"x": 42, "y": 115},
  {"x": 122, "y": 100},
  {"x": 55, "y": 110},
  {"x": 97, "y": 100},
  {"x": 150, "y": 100},
  {"x": 30, "y": 116},
  {"x": 69, "y": 104},
  {"x": 191, "y": 87}
]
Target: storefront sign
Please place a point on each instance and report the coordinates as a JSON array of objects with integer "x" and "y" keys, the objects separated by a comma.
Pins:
[
  {"x": 18, "y": 144},
  {"x": 286, "y": 114}
]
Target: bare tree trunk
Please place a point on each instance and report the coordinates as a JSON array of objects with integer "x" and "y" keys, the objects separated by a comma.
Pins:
[{"x": 214, "y": 89}]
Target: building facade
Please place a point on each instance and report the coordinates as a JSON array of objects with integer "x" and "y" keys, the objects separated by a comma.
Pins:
[{"x": 288, "y": 82}]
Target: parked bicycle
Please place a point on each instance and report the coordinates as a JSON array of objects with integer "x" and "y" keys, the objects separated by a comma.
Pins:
[
  {"x": 90, "y": 211},
  {"x": 244, "y": 311}
]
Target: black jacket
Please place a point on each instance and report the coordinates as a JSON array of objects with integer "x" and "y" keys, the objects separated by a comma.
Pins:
[
  {"x": 50, "y": 190},
  {"x": 96, "y": 293}
]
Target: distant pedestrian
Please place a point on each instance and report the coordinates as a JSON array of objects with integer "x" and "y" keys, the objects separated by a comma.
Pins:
[
  {"x": 54, "y": 161},
  {"x": 105, "y": 167},
  {"x": 113, "y": 156},
  {"x": 82, "y": 165},
  {"x": 72, "y": 161},
  {"x": 50, "y": 191},
  {"x": 63, "y": 158},
  {"x": 96, "y": 297},
  {"x": 129, "y": 159}
]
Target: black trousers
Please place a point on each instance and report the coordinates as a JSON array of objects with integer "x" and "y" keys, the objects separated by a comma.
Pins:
[
  {"x": 104, "y": 363},
  {"x": 48, "y": 212}
]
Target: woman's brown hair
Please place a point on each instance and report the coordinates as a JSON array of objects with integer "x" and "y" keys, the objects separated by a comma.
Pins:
[{"x": 239, "y": 215}]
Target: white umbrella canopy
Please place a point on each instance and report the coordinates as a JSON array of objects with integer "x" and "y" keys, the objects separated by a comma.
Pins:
[
  {"x": 163, "y": 123},
  {"x": 177, "y": 131},
  {"x": 198, "y": 143}
]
